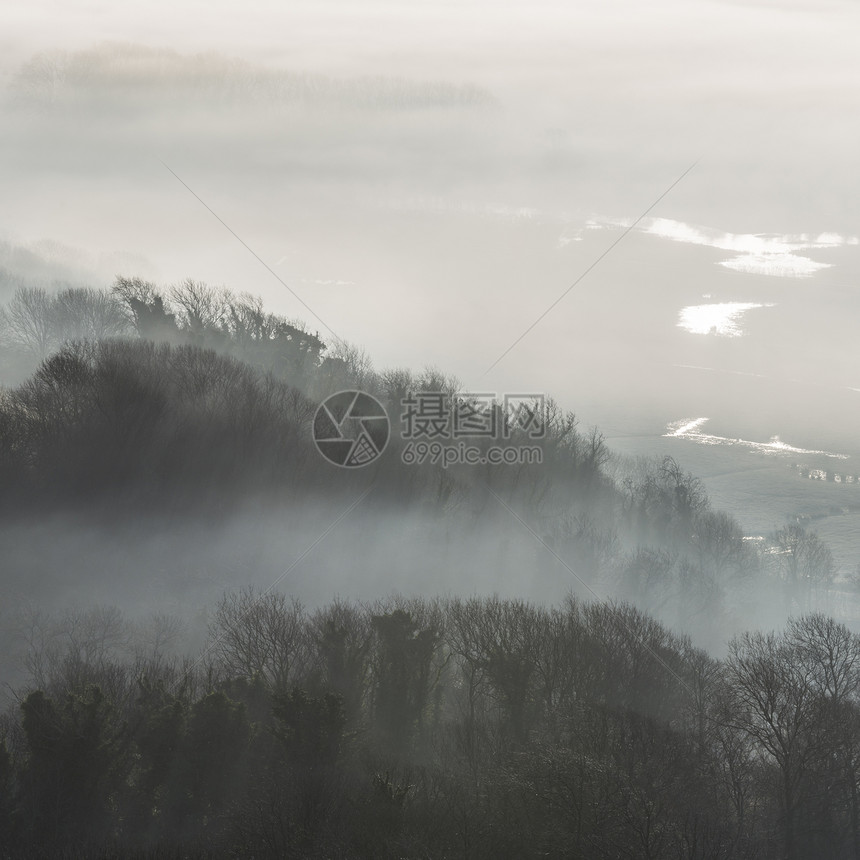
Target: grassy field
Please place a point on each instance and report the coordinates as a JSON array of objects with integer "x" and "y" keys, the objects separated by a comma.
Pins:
[{"x": 765, "y": 491}]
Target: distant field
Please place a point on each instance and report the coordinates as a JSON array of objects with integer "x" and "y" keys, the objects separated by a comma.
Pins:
[{"x": 765, "y": 491}]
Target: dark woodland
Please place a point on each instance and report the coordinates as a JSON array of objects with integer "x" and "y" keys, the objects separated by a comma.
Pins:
[{"x": 413, "y": 725}]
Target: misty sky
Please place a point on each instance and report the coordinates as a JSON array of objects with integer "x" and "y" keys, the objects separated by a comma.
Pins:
[
  {"x": 447, "y": 170},
  {"x": 429, "y": 178}
]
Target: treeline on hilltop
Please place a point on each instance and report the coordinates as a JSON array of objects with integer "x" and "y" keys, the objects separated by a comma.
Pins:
[
  {"x": 189, "y": 400},
  {"x": 477, "y": 728},
  {"x": 198, "y": 391}
]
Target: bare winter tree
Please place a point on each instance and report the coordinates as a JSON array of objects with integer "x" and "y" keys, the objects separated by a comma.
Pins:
[
  {"x": 85, "y": 313},
  {"x": 27, "y": 321},
  {"x": 39, "y": 322},
  {"x": 260, "y": 635},
  {"x": 200, "y": 307},
  {"x": 776, "y": 703},
  {"x": 803, "y": 562}
]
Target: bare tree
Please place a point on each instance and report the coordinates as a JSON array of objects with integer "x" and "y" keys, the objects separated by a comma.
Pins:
[
  {"x": 803, "y": 562},
  {"x": 260, "y": 635},
  {"x": 200, "y": 308},
  {"x": 40, "y": 323},
  {"x": 27, "y": 321},
  {"x": 84, "y": 313},
  {"x": 776, "y": 702}
]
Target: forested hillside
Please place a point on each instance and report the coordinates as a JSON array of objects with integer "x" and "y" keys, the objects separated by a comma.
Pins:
[
  {"x": 433, "y": 723},
  {"x": 432, "y": 728},
  {"x": 192, "y": 399}
]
